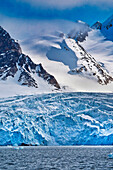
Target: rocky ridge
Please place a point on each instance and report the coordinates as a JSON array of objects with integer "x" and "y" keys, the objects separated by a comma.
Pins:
[
  {"x": 106, "y": 28},
  {"x": 97, "y": 25},
  {"x": 87, "y": 65},
  {"x": 13, "y": 63}
]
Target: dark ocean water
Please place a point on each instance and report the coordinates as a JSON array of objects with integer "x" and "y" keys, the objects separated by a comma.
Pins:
[{"x": 56, "y": 158}]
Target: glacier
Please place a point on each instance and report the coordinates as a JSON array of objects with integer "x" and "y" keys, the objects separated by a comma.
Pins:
[{"x": 57, "y": 119}]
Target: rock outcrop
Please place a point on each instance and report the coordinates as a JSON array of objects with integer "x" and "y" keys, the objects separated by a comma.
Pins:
[
  {"x": 14, "y": 63},
  {"x": 89, "y": 67}
]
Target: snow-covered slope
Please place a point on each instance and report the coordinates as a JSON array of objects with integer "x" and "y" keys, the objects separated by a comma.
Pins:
[
  {"x": 63, "y": 56},
  {"x": 18, "y": 67},
  {"x": 71, "y": 58},
  {"x": 88, "y": 66},
  {"x": 100, "y": 48},
  {"x": 57, "y": 119},
  {"x": 99, "y": 43}
]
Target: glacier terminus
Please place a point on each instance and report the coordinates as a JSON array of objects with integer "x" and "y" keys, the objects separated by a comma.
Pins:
[{"x": 57, "y": 119}]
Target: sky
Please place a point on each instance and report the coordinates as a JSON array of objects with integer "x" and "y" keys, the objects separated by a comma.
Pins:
[
  {"x": 72, "y": 10},
  {"x": 28, "y": 18}
]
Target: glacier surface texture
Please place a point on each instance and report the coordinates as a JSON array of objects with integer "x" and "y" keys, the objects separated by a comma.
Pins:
[{"x": 57, "y": 119}]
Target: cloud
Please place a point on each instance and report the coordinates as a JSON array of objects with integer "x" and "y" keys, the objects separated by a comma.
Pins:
[
  {"x": 63, "y": 4},
  {"x": 57, "y": 3},
  {"x": 86, "y": 10},
  {"x": 25, "y": 29}
]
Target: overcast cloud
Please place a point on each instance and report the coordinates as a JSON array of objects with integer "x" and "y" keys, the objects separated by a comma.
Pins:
[
  {"x": 89, "y": 11},
  {"x": 62, "y": 4}
]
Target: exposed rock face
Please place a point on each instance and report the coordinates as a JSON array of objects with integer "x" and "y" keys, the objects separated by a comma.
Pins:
[
  {"x": 79, "y": 36},
  {"x": 89, "y": 67},
  {"x": 97, "y": 25},
  {"x": 14, "y": 63},
  {"x": 106, "y": 28}
]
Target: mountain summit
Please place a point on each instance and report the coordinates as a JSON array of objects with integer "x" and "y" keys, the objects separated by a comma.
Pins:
[
  {"x": 79, "y": 60},
  {"x": 97, "y": 25},
  {"x": 105, "y": 27}
]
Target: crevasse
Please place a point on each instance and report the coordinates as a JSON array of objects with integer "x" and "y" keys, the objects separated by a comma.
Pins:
[{"x": 57, "y": 119}]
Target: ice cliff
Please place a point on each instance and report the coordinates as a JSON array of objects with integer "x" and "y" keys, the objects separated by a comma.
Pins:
[{"x": 57, "y": 119}]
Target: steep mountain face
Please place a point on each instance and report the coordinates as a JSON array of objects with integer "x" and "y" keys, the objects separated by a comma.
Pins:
[
  {"x": 97, "y": 25},
  {"x": 87, "y": 66},
  {"x": 15, "y": 64},
  {"x": 79, "y": 61},
  {"x": 57, "y": 119},
  {"x": 106, "y": 28}
]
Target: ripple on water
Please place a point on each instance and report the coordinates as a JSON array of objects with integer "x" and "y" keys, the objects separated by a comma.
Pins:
[{"x": 60, "y": 158}]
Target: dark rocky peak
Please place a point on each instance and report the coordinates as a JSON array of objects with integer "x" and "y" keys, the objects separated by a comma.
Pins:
[
  {"x": 7, "y": 43},
  {"x": 106, "y": 28},
  {"x": 13, "y": 61},
  {"x": 97, "y": 25}
]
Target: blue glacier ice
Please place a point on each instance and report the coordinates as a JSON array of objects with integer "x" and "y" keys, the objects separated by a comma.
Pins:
[{"x": 57, "y": 119}]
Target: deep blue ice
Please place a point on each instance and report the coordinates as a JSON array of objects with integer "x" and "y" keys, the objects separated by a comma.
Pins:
[{"x": 57, "y": 119}]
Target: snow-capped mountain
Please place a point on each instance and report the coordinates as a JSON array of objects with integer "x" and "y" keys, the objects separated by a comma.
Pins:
[
  {"x": 14, "y": 64},
  {"x": 65, "y": 56},
  {"x": 85, "y": 62},
  {"x": 97, "y": 25},
  {"x": 88, "y": 66},
  {"x": 105, "y": 27},
  {"x": 98, "y": 43},
  {"x": 79, "y": 59}
]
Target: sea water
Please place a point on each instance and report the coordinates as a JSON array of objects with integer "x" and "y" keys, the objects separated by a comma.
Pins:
[{"x": 56, "y": 158}]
